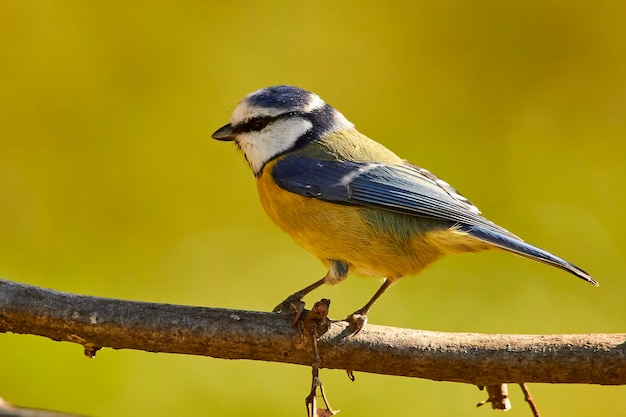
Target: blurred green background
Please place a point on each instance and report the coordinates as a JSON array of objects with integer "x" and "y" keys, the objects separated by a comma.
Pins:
[{"x": 111, "y": 186}]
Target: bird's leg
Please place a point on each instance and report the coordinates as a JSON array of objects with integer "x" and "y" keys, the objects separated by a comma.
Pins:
[
  {"x": 359, "y": 317},
  {"x": 337, "y": 272},
  {"x": 294, "y": 301}
]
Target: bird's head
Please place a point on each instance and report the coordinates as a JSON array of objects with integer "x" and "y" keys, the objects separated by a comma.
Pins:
[{"x": 274, "y": 120}]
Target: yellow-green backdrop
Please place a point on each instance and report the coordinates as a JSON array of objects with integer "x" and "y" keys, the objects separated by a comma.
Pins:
[{"x": 111, "y": 186}]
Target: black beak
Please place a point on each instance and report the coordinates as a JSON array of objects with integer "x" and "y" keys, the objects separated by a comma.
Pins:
[{"x": 225, "y": 133}]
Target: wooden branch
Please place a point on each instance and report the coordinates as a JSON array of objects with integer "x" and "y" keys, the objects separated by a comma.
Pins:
[
  {"x": 8, "y": 410},
  {"x": 479, "y": 359}
]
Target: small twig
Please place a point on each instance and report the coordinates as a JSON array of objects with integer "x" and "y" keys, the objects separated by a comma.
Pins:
[
  {"x": 529, "y": 399},
  {"x": 350, "y": 375},
  {"x": 313, "y": 321},
  {"x": 498, "y": 397}
]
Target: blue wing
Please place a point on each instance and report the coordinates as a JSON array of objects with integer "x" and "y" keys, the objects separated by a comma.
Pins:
[
  {"x": 405, "y": 189},
  {"x": 400, "y": 188}
]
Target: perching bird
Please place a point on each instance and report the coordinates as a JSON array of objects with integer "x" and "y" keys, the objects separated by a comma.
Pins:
[{"x": 351, "y": 202}]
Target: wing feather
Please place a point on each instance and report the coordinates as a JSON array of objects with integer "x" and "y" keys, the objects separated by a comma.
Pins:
[{"x": 398, "y": 188}]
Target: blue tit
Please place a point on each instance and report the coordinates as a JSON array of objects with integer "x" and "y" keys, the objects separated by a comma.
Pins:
[{"x": 351, "y": 202}]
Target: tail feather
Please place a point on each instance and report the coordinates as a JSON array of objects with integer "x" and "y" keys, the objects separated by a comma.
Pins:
[{"x": 526, "y": 250}]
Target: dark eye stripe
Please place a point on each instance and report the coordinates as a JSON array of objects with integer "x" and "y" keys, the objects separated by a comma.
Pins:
[{"x": 259, "y": 123}]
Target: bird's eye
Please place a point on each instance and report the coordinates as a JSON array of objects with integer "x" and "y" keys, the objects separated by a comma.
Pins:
[{"x": 257, "y": 123}]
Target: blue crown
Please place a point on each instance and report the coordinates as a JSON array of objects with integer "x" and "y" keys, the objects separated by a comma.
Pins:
[{"x": 280, "y": 97}]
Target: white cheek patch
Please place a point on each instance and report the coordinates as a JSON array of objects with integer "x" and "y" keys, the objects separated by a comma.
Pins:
[{"x": 260, "y": 147}]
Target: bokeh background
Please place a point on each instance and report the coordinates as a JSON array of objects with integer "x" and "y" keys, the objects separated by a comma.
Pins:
[{"x": 111, "y": 186}]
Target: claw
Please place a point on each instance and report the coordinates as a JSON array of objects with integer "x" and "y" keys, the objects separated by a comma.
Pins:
[
  {"x": 282, "y": 306},
  {"x": 358, "y": 320},
  {"x": 287, "y": 304},
  {"x": 297, "y": 307},
  {"x": 293, "y": 304},
  {"x": 296, "y": 298}
]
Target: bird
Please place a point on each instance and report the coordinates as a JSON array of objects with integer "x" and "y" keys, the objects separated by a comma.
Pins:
[{"x": 351, "y": 202}]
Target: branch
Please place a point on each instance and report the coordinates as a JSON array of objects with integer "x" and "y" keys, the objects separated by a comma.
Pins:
[
  {"x": 478, "y": 359},
  {"x": 8, "y": 410}
]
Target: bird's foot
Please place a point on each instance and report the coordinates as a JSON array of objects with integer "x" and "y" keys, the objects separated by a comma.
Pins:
[
  {"x": 358, "y": 319},
  {"x": 291, "y": 303}
]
